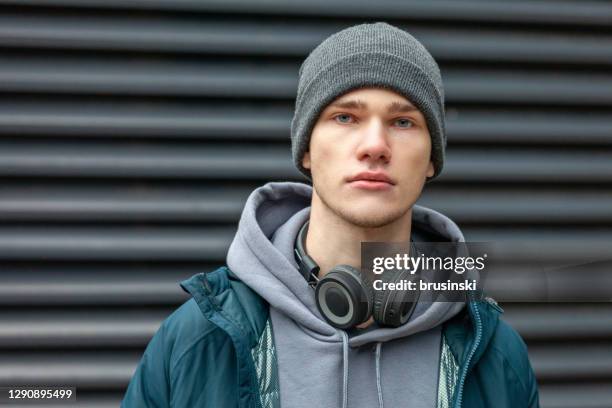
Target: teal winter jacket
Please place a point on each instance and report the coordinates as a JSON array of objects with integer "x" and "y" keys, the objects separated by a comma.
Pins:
[{"x": 217, "y": 350}]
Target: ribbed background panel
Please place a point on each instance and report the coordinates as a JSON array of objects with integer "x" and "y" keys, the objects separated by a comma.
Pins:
[{"x": 132, "y": 132}]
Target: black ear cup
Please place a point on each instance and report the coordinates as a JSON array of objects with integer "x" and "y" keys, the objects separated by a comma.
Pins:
[
  {"x": 394, "y": 307},
  {"x": 343, "y": 297}
]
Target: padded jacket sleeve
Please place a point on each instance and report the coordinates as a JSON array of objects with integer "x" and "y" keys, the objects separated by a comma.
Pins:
[{"x": 149, "y": 386}]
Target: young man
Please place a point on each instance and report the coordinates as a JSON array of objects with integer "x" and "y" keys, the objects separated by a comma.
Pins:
[{"x": 368, "y": 130}]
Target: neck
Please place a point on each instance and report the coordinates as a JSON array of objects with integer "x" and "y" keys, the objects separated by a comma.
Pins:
[{"x": 332, "y": 240}]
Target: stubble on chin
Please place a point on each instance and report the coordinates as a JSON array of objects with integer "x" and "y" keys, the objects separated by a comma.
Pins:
[{"x": 371, "y": 219}]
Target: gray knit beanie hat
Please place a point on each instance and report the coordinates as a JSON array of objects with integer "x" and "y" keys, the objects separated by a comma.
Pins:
[{"x": 377, "y": 54}]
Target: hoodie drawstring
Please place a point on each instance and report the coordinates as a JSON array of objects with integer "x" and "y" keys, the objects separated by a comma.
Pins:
[
  {"x": 378, "y": 383},
  {"x": 344, "y": 369}
]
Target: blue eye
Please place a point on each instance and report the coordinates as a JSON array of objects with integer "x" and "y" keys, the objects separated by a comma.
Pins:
[
  {"x": 343, "y": 118},
  {"x": 404, "y": 123}
]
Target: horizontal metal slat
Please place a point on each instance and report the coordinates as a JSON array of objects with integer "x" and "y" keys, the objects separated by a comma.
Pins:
[
  {"x": 584, "y": 13},
  {"x": 557, "y": 88},
  {"x": 570, "y": 362},
  {"x": 545, "y": 322},
  {"x": 78, "y": 328},
  {"x": 579, "y": 395},
  {"x": 136, "y": 243},
  {"x": 81, "y": 293},
  {"x": 136, "y": 77},
  {"x": 510, "y": 206},
  {"x": 91, "y": 370},
  {"x": 62, "y": 330},
  {"x": 499, "y": 45},
  {"x": 165, "y": 161},
  {"x": 527, "y": 126},
  {"x": 488, "y": 164},
  {"x": 146, "y": 120},
  {"x": 97, "y": 284},
  {"x": 173, "y": 34},
  {"x": 126, "y": 203},
  {"x": 533, "y": 242}
]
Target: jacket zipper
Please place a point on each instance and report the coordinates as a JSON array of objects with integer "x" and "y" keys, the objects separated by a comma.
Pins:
[{"x": 472, "y": 351}]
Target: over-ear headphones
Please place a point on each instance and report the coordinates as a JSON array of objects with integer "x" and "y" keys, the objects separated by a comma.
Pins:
[{"x": 345, "y": 298}]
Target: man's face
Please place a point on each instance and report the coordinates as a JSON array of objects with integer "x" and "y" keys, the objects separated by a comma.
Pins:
[{"x": 369, "y": 156}]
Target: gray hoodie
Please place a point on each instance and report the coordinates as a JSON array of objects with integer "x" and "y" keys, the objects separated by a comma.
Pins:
[{"x": 318, "y": 364}]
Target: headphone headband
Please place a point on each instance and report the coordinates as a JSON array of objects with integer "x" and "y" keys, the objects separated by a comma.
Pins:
[{"x": 308, "y": 267}]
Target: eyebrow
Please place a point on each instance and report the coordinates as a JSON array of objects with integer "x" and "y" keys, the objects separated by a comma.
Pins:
[{"x": 394, "y": 107}]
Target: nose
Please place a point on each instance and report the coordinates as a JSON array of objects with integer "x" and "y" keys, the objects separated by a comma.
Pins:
[{"x": 373, "y": 143}]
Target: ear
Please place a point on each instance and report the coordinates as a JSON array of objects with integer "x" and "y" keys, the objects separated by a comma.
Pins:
[
  {"x": 306, "y": 160},
  {"x": 430, "y": 169}
]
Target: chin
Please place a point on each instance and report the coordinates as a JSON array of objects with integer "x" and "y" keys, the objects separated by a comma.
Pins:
[{"x": 372, "y": 216}]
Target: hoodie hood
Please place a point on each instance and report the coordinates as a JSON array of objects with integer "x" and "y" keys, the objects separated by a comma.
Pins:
[
  {"x": 261, "y": 255},
  {"x": 268, "y": 270}
]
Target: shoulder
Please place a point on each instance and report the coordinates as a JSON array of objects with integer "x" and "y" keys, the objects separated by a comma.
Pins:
[
  {"x": 185, "y": 331},
  {"x": 187, "y": 323},
  {"x": 208, "y": 320},
  {"x": 508, "y": 353},
  {"x": 509, "y": 345}
]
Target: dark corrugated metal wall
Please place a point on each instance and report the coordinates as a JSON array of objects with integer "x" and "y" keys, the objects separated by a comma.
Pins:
[{"x": 131, "y": 133}]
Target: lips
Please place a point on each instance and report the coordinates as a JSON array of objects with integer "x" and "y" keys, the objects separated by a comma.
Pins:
[
  {"x": 372, "y": 176},
  {"x": 371, "y": 181}
]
